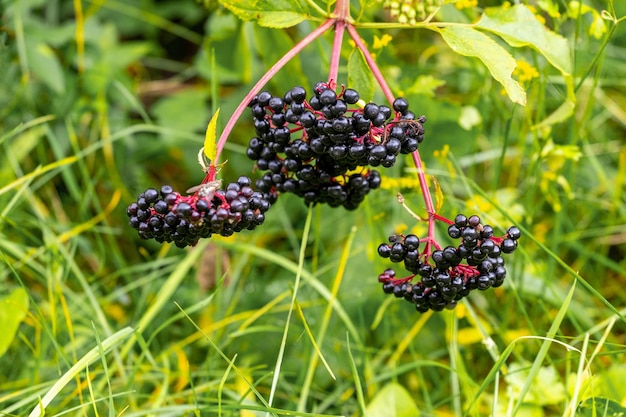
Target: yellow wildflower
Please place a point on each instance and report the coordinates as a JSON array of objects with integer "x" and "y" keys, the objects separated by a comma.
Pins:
[
  {"x": 525, "y": 72},
  {"x": 465, "y": 4},
  {"x": 382, "y": 41}
]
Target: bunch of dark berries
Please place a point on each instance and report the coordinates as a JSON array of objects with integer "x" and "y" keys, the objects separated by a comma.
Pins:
[
  {"x": 321, "y": 149},
  {"x": 440, "y": 279},
  {"x": 167, "y": 216}
]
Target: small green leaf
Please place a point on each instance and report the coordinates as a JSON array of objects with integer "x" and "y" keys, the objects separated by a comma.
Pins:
[
  {"x": 185, "y": 110},
  {"x": 13, "y": 309},
  {"x": 426, "y": 85},
  {"x": 210, "y": 138},
  {"x": 469, "y": 42},
  {"x": 563, "y": 112},
  {"x": 392, "y": 401},
  {"x": 45, "y": 65},
  {"x": 269, "y": 13},
  {"x": 518, "y": 26},
  {"x": 598, "y": 406},
  {"x": 359, "y": 75}
]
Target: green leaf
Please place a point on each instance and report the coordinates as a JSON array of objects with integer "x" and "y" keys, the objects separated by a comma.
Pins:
[
  {"x": 269, "y": 13},
  {"x": 210, "y": 138},
  {"x": 185, "y": 110},
  {"x": 392, "y": 401},
  {"x": 469, "y": 42},
  {"x": 598, "y": 406},
  {"x": 563, "y": 112},
  {"x": 359, "y": 75},
  {"x": 426, "y": 85},
  {"x": 45, "y": 65},
  {"x": 292, "y": 73},
  {"x": 13, "y": 309},
  {"x": 518, "y": 26}
]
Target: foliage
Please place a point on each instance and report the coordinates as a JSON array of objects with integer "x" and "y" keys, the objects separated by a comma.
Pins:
[{"x": 525, "y": 125}]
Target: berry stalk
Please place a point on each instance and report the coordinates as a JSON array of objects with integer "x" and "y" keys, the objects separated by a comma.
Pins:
[{"x": 259, "y": 86}]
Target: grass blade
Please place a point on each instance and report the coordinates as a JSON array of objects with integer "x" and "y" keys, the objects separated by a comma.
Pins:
[{"x": 106, "y": 345}]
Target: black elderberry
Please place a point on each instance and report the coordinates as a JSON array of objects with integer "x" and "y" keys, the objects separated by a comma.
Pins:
[
  {"x": 276, "y": 104},
  {"x": 411, "y": 242},
  {"x": 487, "y": 232},
  {"x": 473, "y": 221},
  {"x": 469, "y": 234},
  {"x": 454, "y": 231},
  {"x": 401, "y": 105},
  {"x": 263, "y": 98},
  {"x": 351, "y": 96},
  {"x": 165, "y": 190},
  {"x": 514, "y": 233},
  {"x": 151, "y": 195},
  {"x": 370, "y": 111},
  {"x": 508, "y": 245},
  {"x": 297, "y": 94}
]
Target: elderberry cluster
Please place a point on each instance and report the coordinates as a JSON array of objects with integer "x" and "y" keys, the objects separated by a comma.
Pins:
[
  {"x": 167, "y": 216},
  {"x": 441, "y": 278},
  {"x": 312, "y": 148}
]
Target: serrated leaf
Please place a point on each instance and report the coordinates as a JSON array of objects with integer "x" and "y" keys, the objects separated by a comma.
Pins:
[
  {"x": 269, "y": 13},
  {"x": 518, "y": 26},
  {"x": 360, "y": 77},
  {"x": 13, "y": 309},
  {"x": 210, "y": 138},
  {"x": 393, "y": 400},
  {"x": 469, "y": 42}
]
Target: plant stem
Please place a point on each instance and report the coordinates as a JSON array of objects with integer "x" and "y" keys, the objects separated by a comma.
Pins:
[
  {"x": 336, "y": 52},
  {"x": 257, "y": 89},
  {"x": 371, "y": 63},
  {"x": 428, "y": 201},
  {"x": 421, "y": 175}
]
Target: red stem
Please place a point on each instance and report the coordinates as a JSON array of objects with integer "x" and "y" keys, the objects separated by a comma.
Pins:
[
  {"x": 428, "y": 201},
  {"x": 342, "y": 16},
  {"x": 336, "y": 53},
  {"x": 259, "y": 85},
  {"x": 371, "y": 63},
  {"x": 421, "y": 175}
]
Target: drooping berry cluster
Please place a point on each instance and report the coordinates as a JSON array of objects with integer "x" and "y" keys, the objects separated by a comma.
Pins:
[
  {"x": 321, "y": 149},
  {"x": 167, "y": 216},
  {"x": 441, "y": 278}
]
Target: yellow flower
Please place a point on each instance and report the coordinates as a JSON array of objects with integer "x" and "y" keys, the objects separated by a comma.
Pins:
[
  {"x": 465, "y": 4},
  {"x": 382, "y": 41},
  {"x": 525, "y": 72}
]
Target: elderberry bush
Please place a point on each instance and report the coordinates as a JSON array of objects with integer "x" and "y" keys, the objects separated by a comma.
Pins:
[
  {"x": 322, "y": 149},
  {"x": 167, "y": 216},
  {"x": 441, "y": 278}
]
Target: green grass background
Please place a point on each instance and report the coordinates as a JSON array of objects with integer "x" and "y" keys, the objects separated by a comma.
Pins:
[{"x": 101, "y": 100}]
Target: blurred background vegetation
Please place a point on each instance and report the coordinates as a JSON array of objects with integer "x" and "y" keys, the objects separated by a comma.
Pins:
[{"x": 100, "y": 100}]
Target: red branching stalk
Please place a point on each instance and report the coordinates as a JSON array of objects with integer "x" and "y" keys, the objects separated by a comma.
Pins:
[
  {"x": 341, "y": 22},
  {"x": 428, "y": 201},
  {"x": 421, "y": 175},
  {"x": 342, "y": 16},
  {"x": 259, "y": 86},
  {"x": 336, "y": 52}
]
